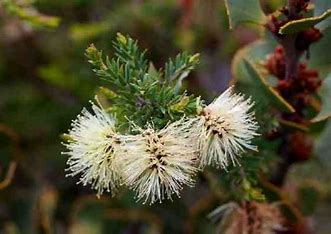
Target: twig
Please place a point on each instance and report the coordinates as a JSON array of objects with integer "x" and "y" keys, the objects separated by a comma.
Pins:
[
  {"x": 9, "y": 176},
  {"x": 14, "y": 137}
]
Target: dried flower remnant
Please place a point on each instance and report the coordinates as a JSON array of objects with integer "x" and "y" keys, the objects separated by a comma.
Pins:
[
  {"x": 227, "y": 128},
  {"x": 158, "y": 163},
  {"x": 251, "y": 217},
  {"x": 92, "y": 147}
]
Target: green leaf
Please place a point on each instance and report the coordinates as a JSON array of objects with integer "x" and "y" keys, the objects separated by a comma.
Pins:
[
  {"x": 127, "y": 51},
  {"x": 250, "y": 81},
  {"x": 254, "y": 52},
  {"x": 320, "y": 7},
  {"x": 320, "y": 56},
  {"x": 295, "y": 26},
  {"x": 107, "y": 93},
  {"x": 84, "y": 32},
  {"x": 308, "y": 196},
  {"x": 244, "y": 11},
  {"x": 152, "y": 71},
  {"x": 274, "y": 5},
  {"x": 325, "y": 94},
  {"x": 271, "y": 95},
  {"x": 323, "y": 149},
  {"x": 179, "y": 68},
  {"x": 293, "y": 125},
  {"x": 252, "y": 193}
]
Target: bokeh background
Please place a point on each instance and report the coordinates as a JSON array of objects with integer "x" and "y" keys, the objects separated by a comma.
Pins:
[{"x": 45, "y": 81}]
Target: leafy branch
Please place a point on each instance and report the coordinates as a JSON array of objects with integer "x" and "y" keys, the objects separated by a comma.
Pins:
[
  {"x": 139, "y": 92},
  {"x": 178, "y": 69}
]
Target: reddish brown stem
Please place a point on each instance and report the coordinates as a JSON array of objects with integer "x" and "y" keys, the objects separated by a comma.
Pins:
[
  {"x": 292, "y": 56},
  {"x": 291, "y": 6}
]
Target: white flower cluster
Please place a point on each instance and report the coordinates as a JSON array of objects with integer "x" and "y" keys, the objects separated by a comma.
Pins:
[{"x": 158, "y": 163}]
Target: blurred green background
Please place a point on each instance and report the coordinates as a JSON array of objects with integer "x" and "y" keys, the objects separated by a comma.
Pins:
[{"x": 45, "y": 81}]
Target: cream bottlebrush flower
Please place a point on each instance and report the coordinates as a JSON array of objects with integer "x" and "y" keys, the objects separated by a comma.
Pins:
[
  {"x": 227, "y": 127},
  {"x": 158, "y": 163},
  {"x": 92, "y": 147}
]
